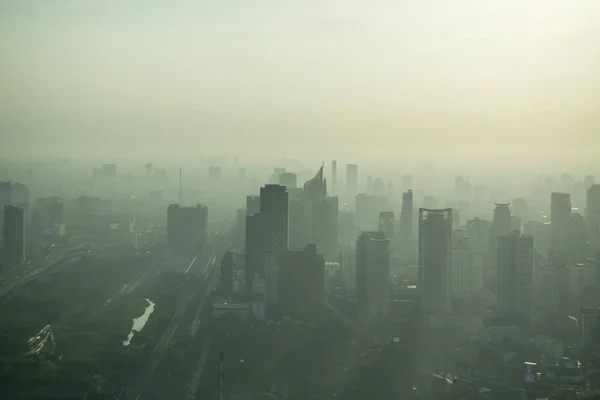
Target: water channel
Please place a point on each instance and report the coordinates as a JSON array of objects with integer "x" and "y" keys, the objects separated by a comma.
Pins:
[{"x": 140, "y": 322}]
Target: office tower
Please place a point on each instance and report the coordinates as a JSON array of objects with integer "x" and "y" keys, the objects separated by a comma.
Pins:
[
  {"x": 466, "y": 270},
  {"x": 515, "y": 277},
  {"x": 252, "y": 205},
  {"x": 214, "y": 173},
  {"x": 187, "y": 229},
  {"x": 334, "y": 176},
  {"x": 14, "y": 234},
  {"x": 515, "y": 223},
  {"x": 302, "y": 283},
  {"x": 5, "y": 193},
  {"x": 326, "y": 227},
  {"x": 255, "y": 248},
  {"x": 240, "y": 228},
  {"x": 289, "y": 180},
  {"x": 407, "y": 182},
  {"x": 351, "y": 180},
  {"x": 149, "y": 169},
  {"x": 478, "y": 235},
  {"x": 588, "y": 329},
  {"x": 576, "y": 239},
  {"x": 373, "y": 275},
  {"x": 519, "y": 209},
  {"x": 435, "y": 228},
  {"x": 347, "y": 229},
  {"x": 242, "y": 174},
  {"x": 592, "y": 218},
  {"x": 500, "y": 226},
  {"x": 274, "y": 208},
  {"x": 226, "y": 278},
  {"x": 547, "y": 289},
  {"x": 560, "y": 213},
  {"x": 406, "y": 224},
  {"x": 386, "y": 223}
]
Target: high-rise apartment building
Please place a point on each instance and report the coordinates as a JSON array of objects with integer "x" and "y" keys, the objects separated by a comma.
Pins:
[
  {"x": 435, "y": 231},
  {"x": 466, "y": 270},
  {"x": 407, "y": 241},
  {"x": 515, "y": 277},
  {"x": 589, "y": 335},
  {"x": 255, "y": 248}
]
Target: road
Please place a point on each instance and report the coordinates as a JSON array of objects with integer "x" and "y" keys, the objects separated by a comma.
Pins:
[
  {"x": 140, "y": 388},
  {"x": 29, "y": 276}
]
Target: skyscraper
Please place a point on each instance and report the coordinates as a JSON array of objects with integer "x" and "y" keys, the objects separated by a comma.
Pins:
[
  {"x": 500, "y": 226},
  {"x": 14, "y": 234},
  {"x": 435, "y": 229},
  {"x": 274, "y": 208},
  {"x": 592, "y": 218},
  {"x": 373, "y": 275},
  {"x": 467, "y": 270},
  {"x": 588, "y": 329},
  {"x": 515, "y": 277},
  {"x": 351, "y": 180},
  {"x": 252, "y": 205},
  {"x": 560, "y": 214},
  {"x": 302, "y": 282},
  {"x": 478, "y": 234},
  {"x": 334, "y": 177},
  {"x": 187, "y": 229},
  {"x": 406, "y": 224},
  {"x": 226, "y": 279},
  {"x": 368, "y": 208}
]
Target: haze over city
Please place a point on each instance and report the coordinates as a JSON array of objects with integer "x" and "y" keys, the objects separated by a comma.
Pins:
[{"x": 309, "y": 200}]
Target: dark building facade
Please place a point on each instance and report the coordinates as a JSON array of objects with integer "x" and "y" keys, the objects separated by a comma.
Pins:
[
  {"x": 302, "y": 283},
  {"x": 187, "y": 229},
  {"x": 14, "y": 234}
]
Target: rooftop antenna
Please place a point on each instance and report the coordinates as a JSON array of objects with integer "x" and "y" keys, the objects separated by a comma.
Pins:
[{"x": 180, "y": 199}]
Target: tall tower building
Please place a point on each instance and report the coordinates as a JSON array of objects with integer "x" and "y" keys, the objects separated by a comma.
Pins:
[
  {"x": 467, "y": 270},
  {"x": 588, "y": 329},
  {"x": 255, "y": 248},
  {"x": 478, "y": 235},
  {"x": 592, "y": 218},
  {"x": 351, "y": 180},
  {"x": 14, "y": 234},
  {"x": 500, "y": 226},
  {"x": 406, "y": 224},
  {"x": 560, "y": 214},
  {"x": 435, "y": 232},
  {"x": 334, "y": 177},
  {"x": 252, "y": 205},
  {"x": 515, "y": 277},
  {"x": 274, "y": 208},
  {"x": 373, "y": 275}
]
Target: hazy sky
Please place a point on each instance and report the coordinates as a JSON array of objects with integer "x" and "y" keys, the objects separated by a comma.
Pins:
[{"x": 464, "y": 77}]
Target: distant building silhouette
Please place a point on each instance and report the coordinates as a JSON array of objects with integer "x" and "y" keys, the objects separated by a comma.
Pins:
[
  {"x": 386, "y": 223},
  {"x": 500, "y": 226},
  {"x": 368, "y": 208},
  {"x": 351, "y": 180},
  {"x": 288, "y": 179},
  {"x": 252, "y": 205},
  {"x": 435, "y": 230},
  {"x": 149, "y": 169},
  {"x": 592, "y": 218},
  {"x": 515, "y": 277},
  {"x": 187, "y": 229},
  {"x": 14, "y": 234},
  {"x": 214, "y": 173},
  {"x": 407, "y": 240},
  {"x": 467, "y": 269},
  {"x": 255, "y": 250},
  {"x": 560, "y": 213},
  {"x": 334, "y": 177},
  {"x": 302, "y": 282}
]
